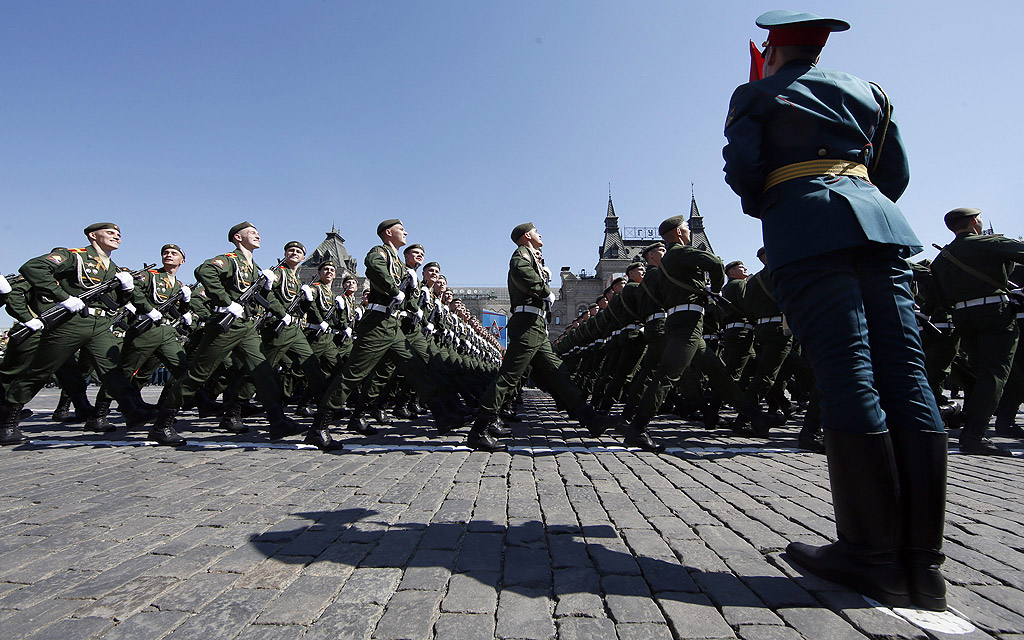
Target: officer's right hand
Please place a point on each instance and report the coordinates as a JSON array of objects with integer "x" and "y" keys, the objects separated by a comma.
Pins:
[
  {"x": 35, "y": 324},
  {"x": 236, "y": 309},
  {"x": 73, "y": 304},
  {"x": 270, "y": 276},
  {"x": 400, "y": 298}
]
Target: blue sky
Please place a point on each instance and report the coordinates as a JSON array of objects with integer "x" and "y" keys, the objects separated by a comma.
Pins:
[{"x": 178, "y": 119}]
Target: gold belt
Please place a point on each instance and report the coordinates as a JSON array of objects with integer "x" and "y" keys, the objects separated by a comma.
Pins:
[{"x": 815, "y": 168}]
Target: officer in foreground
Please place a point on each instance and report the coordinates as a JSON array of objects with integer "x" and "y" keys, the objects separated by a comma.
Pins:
[{"x": 817, "y": 157}]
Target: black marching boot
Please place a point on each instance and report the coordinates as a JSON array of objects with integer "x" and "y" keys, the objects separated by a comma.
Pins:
[
  {"x": 207, "y": 406},
  {"x": 98, "y": 421},
  {"x": 281, "y": 426},
  {"x": 636, "y": 435},
  {"x": 379, "y": 414},
  {"x": 358, "y": 423},
  {"x": 480, "y": 436},
  {"x": 319, "y": 433},
  {"x": 921, "y": 458},
  {"x": 811, "y": 437},
  {"x": 444, "y": 420},
  {"x": 596, "y": 423},
  {"x": 232, "y": 418},
  {"x": 137, "y": 413},
  {"x": 62, "y": 413},
  {"x": 10, "y": 432},
  {"x": 869, "y": 520},
  {"x": 162, "y": 432}
]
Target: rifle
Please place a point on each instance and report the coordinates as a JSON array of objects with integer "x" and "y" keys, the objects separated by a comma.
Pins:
[
  {"x": 251, "y": 294},
  {"x": 118, "y": 320},
  {"x": 293, "y": 306},
  {"x": 58, "y": 315},
  {"x": 927, "y": 323},
  {"x": 315, "y": 331},
  {"x": 145, "y": 323}
]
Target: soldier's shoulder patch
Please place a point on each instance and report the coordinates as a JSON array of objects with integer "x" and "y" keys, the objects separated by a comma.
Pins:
[
  {"x": 381, "y": 251},
  {"x": 732, "y": 116},
  {"x": 217, "y": 262},
  {"x": 55, "y": 258}
]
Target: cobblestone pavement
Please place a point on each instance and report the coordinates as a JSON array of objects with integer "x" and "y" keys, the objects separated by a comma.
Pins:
[{"x": 562, "y": 537}]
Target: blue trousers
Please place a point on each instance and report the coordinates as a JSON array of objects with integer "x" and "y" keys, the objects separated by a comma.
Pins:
[{"x": 852, "y": 310}]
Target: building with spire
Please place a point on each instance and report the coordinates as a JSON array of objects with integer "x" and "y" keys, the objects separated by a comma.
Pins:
[
  {"x": 332, "y": 247},
  {"x": 621, "y": 246}
]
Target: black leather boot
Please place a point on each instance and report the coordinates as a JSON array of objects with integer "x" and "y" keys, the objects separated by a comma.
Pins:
[
  {"x": 232, "y": 418},
  {"x": 379, "y": 415},
  {"x": 162, "y": 432},
  {"x": 281, "y": 426},
  {"x": 319, "y": 433},
  {"x": 869, "y": 520},
  {"x": 359, "y": 424},
  {"x": 10, "y": 432},
  {"x": 636, "y": 435},
  {"x": 444, "y": 420},
  {"x": 480, "y": 437},
  {"x": 137, "y": 413},
  {"x": 921, "y": 458},
  {"x": 401, "y": 409},
  {"x": 811, "y": 437},
  {"x": 207, "y": 406},
  {"x": 974, "y": 442},
  {"x": 596, "y": 423},
  {"x": 710, "y": 412},
  {"x": 98, "y": 421},
  {"x": 62, "y": 413}
]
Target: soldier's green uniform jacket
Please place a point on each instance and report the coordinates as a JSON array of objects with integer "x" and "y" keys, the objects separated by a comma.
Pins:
[
  {"x": 686, "y": 265},
  {"x": 385, "y": 271},
  {"x": 991, "y": 255},
  {"x": 625, "y": 307},
  {"x": 63, "y": 273},
  {"x": 284, "y": 291},
  {"x": 152, "y": 288},
  {"x": 733, "y": 292},
  {"x": 227, "y": 276},
  {"x": 526, "y": 285},
  {"x": 758, "y": 301},
  {"x": 17, "y": 303}
]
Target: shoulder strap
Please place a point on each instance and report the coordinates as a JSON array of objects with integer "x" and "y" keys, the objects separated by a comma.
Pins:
[
  {"x": 946, "y": 253},
  {"x": 764, "y": 287}
]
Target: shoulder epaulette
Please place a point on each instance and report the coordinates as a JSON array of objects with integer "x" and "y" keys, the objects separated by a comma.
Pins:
[
  {"x": 231, "y": 255},
  {"x": 77, "y": 250},
  {"x": 152, "y": 270}
]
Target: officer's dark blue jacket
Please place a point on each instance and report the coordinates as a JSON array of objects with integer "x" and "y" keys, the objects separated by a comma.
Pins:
[{"x": 803, "y": 113}]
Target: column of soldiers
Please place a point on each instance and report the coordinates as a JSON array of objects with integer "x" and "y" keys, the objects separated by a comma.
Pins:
[{"x": 239, "y": 331}]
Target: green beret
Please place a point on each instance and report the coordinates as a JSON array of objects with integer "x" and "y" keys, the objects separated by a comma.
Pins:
[
  {"x": 431, "y": 264},
  {"x": 387, "y": 224},
  {"x": 172, "y": 246},
  {"x": 956, "y": 215},
  {"x": 521, "y": 230},
  {"x": 634, "y": 265},
  {"x": 413, "y": 246},
  {"x": 670, "y": 224},
  {"x": 349, "y": 276},
  {"x": 734, "y": 263},
  {"x": 761, "y": 252},
  {"x": 295, "y": 243},
  {"x": 238, "y": 227},
  {"x": 100, "y": 225},
  {"x": 651, "y": 247},
  {"x": 326, "y": 263}
]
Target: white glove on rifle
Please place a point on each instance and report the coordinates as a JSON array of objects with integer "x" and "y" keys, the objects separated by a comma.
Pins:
[
  {"x": 287, "y": 320},
  {"x": 35, "y": 324},
  {"x": 419, "y": 314},
  {"x": 340, "y": 301},
  {"x": 155, "y": 315},
  {"x": 187, "y": 318},
  {"x": 324, "y": 326},
  {"x": 186, "y": 294},
  {"x": 271, "y": 278},
  {"x": 400, "y": 298},
  {"x": 550, "y": 299},
  {"x": 73, "y": 304},
  {"x": 308, "y": 292},
  {"x": 235, "y": 309},
  {"x": 348, "y": 331},
  {"x": 126, "y": 280}
]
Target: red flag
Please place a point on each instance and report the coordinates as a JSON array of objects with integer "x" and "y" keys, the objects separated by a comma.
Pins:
[{"x": 756, "y": 62}]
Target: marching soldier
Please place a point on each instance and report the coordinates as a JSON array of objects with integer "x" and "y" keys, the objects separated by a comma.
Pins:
[
  {"x": 58, "y": 278},
  {"x": 973, "y": 273},
  {"x": 815, "y": 155}
]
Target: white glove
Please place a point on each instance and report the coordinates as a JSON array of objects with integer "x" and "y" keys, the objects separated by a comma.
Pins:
[
  {"x": 419, "y": 314},
  {"x": 400, "y": 298},
  {"x": 308, "y": 292},
  {"x": 340, "y": 301},
  {"x": 5, "y": 287},
  {"x": 154, "y": 315},
  {"x": 131, "y": 308},
  {"x": 287, "y": 320},
  {"x": 236, "y": 309},
  {"x": 187, "y": 318},
  {"x": 186, "y": 294},
  {"x": 348, "y": 331},
  {"x": 126, "y": 280},
  {"x": 359, "y": 313},
  {"x": 412, "y": 274},
  {"x": 551, "y": 298},
  {"x": 430, "y": 328},
  {"x": 73, "y": 304},
  {"x": 271, "y": 278},
  {"x": 35, "y": 324},
  {"x": 324, "y": 326}
]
